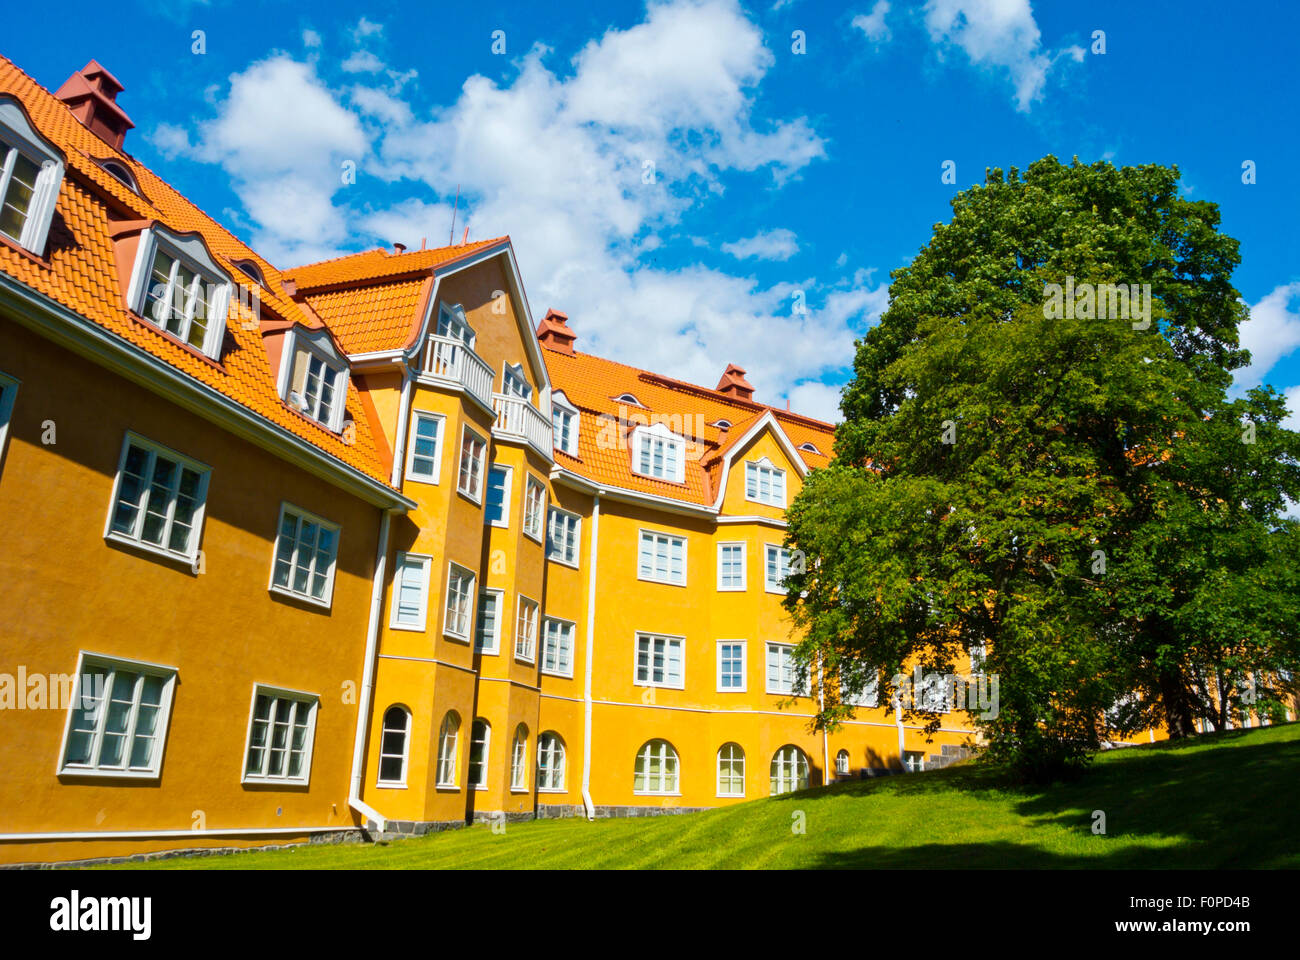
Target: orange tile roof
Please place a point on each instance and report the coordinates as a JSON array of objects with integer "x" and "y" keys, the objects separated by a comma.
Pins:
[
  {"x": 379, "y": 317},
  {"x": 380, "y": 264},
  {"x": 83, "y": 277},
  {"x": 591, "y": 384}
]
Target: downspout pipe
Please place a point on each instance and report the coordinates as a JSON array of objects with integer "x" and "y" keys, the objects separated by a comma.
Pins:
[
  {"x": 364, "y": 701},
  {"x": 591, "y": 644}
]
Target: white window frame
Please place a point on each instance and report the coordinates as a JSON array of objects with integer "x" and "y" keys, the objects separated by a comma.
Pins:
[
  {"x": 644, "y": 751},
  {"x": 421, "y": 622},
  {"x": 653, "y": 536},
  {"x": 799, "y": 761},
  {"x": 406, "y": 747},
  {"x": 88, "y": 662},
  {"x": 514, "y": 383},
  {"x": 471, "y": 495},
  {"x": 470, "y": 782},
  {"x": 744, "y": 666},
  {"x": 507, "y": 494},
  {"x": 782, "y": 550},
  {"x": 17, "y": 132},
  {"x": 288, "y": 591},
  {"x": 573, "y": 521},
  {"x": 776, "y": 689},
  {"x": 135, "y": 539},
  {"x": 448, "y": 760},
  {"x": 845, "y": 768},
  {"x": 669, "y": 641},
  {"x": 299, "y": 698},
  {"x": 519, "y": 760},
  {"x": 441, "y": 420},
  {"x": 561, "y": 406},
  {"x": 451, "y": 316},
  {"x": 653, "y": 434},
  {"x": 868, "y": 697},
  {"x": 559, "y": 760},
  {"x": 523, "y": 603},
  {"x": 718, "y": 769},
  {"x": 557, "y": 671},
  {"x": 744, "y": 566},
  {"x": 498, "y": 596},
  {"x": 447, "y": 630},
  {"x": 193, "y": 254},
  {"x": 758, "y": 469},
  {"x": 8, "y": 395},
  {"x": 536, "y": 528}
]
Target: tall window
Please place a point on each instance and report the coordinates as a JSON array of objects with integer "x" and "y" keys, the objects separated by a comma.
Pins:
[
  {"x": 525, "y": 629},
  {"x": 519, "y": 759},
  {"x": 842, "y": 763},
  {"x": 776, "y": 568},
  {"x": 764, "y": 483},
  {"x": 488, "y": 635},
  {"x": 305, "y": 551},
  {"x": 514, "y": 383},
  {"x": 31, "y": 172},
  {"x": 479, "y": 740},
  {"x": 472, "y": 450},
  {"x": 448, "y": 739},
  {"x": 731, "y": 666},
  {"x": 659, "y": 661},
  {"x": 460, "y": 601},
  {"x": 661, "y": 558},
  {"x": 497, "y": 510},
  {"x": 411, "y": 592},
  {"x": 18, "y": 175},
  {"x": 550, "y": 762},
  {"x": 659, "y": 454},
  {"x": 318, "y": 386},
  {"x": 564, "y": 424},
  {"x": 425, "y": 462},
  {"x": 534, "y": 508},
  {"x": 731, "y": 566},
  {"x": 782, "y": 671},
  {"x": 557, "y": 654},
  {"x": 731, "y": 770},
  {"x": 158, "y": 499},
  {"x": 392, "y": 746},
  {"x": 562, "y": 536},
  {"x": 656, "y": 768},
  {"x": 789, "y": 770},
  {"x": 280, "y": 734},
  {"x": 117, "y": 721}
]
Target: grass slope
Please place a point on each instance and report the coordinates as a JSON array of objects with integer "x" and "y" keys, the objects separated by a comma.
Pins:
[{"x": 1223, "y": 800}]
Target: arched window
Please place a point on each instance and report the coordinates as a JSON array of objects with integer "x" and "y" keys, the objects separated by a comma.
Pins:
[
  {"x": 731, "y": 770},
  {"x": 448, "y": 739},
  {"x": 519, "y": 759},
  {"x": 251, "y": 270},
  {"x": 480, "y": 734},
  {"x": 842, "y": 763},
  {"x": 656, "y": 768},
  {"x": 789, "y": 770},
  {"x": 809, "y": 447},
  {"x": 392, "y": 745},
  {"x": 628, "y": 398},
  {"x": 550, "y": 762},
  {"x": 120, "y": 173}
]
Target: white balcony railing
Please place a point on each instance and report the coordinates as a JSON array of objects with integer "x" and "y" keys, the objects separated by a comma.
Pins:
[
  {"x": 517, "y": 419},
  {"x": 449, "y": 359}
]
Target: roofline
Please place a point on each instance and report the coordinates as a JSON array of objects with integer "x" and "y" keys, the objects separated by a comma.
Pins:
[
  {"x": 584, "y": 485},
  {"x": 88, "y": 339}
]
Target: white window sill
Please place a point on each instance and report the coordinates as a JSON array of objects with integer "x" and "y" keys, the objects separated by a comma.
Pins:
[
  {"x": 535, "y": 537},
  {"x": 477, "y": 501},
  {"x": 554, "y": 673},
  {"x": 455, "y": 637},
  {"x": 531, "y": 661},
  {"x": 519, "y": 790},
  {"x": 390, "y": 786},
  {"x": 666, "y": 583},
  {"x": 552, "y": 790},
  {"x": 651, "y": 793},
  {"x": 410, "y": 628},
  {"x": 732, "y": 589},
  {"x": 732, "y": 690},
  {"x": 572, "y": 565},
  {"x": 730, "y": 796},
  {"x": 503, "y": 525},
  {"x": 99, "y": 773},
  {"x": 447, "y": 788},
  {"x": 300, "y": 597},
  {"x": 279, "y": 781},
  {"x": 416, "y": 478},
  {"x": 187, "y": 559},
  {"x": 494, "y": 652},
  {"x": 659, "y": 686}
]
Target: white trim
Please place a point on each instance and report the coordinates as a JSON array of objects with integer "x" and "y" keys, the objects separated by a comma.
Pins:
[
  {"x": 573, "y": 637},
  {"x": 530, "y": 482},
  {"x": 767, "y": 521},
  {"x": 577, "y": 536},
  {"x": 588, "y": 805},
  {"x": 276, "y": 693},
  {"x": 677, "y": 770},
  {"x": 8, "y": 395},
  {"x": 520, "y": 599},
  {"x": 200, "y": 514},
  {"x": 304, "y": 515},
  {"x": 744, "y": 566},
  {"x": 17, "y": 132},
  {"x": 470, "y": 783},
  {"x": 365, "y": 703},
  {"x": 642, "y": 533},
  {"x": 408, "y": 717},
  {"x": 318, "y": 344},
  {"x": 482, "y": 463},
  {"x": 439, "y": 782},
  {"x": 717, "y": 771},
  {"x": 744, "y": 667},
  {"x": 657, "y": 431},
  {"x": 759, "y": 466},
  {"x": 767, "y": 420},
  {"x": 441, "y": 419},
  {"x": 636, "y": 654},
  {"x": 500, "y": 595},
  {"x": 507, "y": 494},
  {"x": 192, "y": 251},
  {"x": 425, "y": 562},
  {"x": 794, "y": 690},
  {"x": 468, "y": 635},
  {"x": 767, "y": 584},
  {"x": 562, "y": 402}
]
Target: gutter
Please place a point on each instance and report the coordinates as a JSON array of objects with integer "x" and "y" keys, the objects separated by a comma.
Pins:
[
  {"x": 364, "y": 701},
  {"x": 591, "y": 645}
]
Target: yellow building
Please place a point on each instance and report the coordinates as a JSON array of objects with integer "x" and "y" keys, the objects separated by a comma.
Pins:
[{"x": 361, "y": 546}]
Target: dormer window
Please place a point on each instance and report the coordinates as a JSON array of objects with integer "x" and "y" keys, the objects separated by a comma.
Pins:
[
  {"x": 628, "y": 398},
  {"x": 564, "y": 423},
  {"x": 659, "y": 453},
  {"x": 764, "y": 483},
  {"x": 809, "y": 447},
  {"x": 513, "y": 382},
  {"x": 721, "y": 424},
  {"x": 251, "y": 270},
  {"x": 31, "y": 172},
  {"x": 453, "y": 323},
  {"x": 314, "y": 377},
  {"x": 178, "y": 287},
  {"x": 120, "y": 173}
]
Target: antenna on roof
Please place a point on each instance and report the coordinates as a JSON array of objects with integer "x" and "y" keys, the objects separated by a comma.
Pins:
[
  {"x": 423, "y": 241},
  {"x": 451, "y": 236},
  {"x": 465, "y": 239}
]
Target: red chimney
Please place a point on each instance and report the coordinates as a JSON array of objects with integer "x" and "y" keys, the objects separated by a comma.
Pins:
[
  {"x": 91, "y": 94},
  {"x": 554, "y": 333},
  {"x": 399, "y": 249},
  {"x": 734, "y": 384}
]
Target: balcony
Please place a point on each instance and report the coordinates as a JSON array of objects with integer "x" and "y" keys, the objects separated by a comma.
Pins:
[
  {"x": 517, "y": 419},
  {"x": 448, "y": 359}
]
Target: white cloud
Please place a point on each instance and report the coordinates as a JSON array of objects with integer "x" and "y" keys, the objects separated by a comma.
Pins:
[
  {"x": 1292, "y": 420},
  {"x": 999, "y": 34},
  {"x": 1272, "y": 332},
  {"x": 363, "y": 61},
  {"x": 310, "y": 38},
  {"x": 813, "y": 398},
  {"x": 366, "y": 28},
  {"x": 873, "y": 23},
  {"x": 778, "y": 244}
]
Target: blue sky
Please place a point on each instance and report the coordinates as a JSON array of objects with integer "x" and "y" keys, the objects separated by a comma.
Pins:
[{"x": 675, "y": 175}]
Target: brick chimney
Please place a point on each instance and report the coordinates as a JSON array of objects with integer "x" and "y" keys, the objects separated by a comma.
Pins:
[
  {"x": 398, "y": 248},
  {"x": 554, "y": 332},
  {"x": 734, "y": 384},
  {"x": 91, "y": 93}
]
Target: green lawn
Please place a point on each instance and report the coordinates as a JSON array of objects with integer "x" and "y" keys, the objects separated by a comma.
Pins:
[{"x": 1223, "y": 800}]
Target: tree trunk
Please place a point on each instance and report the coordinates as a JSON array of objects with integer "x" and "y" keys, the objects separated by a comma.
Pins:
[{"x": 1178, "y": 709}]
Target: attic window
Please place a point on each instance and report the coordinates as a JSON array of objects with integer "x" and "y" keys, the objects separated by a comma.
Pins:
[
  {"x": 251, "y": 270},
  {"x": 314, "y": 380},
  {"x": 120, "y": 173},
  {"x": 659, "y": 453},
  {"x": 628, "y": 398},
  {"x": 565, "y": 423},
  {"x": 178, "y": 287},
  {"x": 809, "y": 447},
  {"x": 31, "y": 172},
  {"x": 722, "y": 424}
]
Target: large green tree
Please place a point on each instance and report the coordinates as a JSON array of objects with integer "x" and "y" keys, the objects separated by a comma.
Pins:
[{"x": 1074, "y": 495}]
